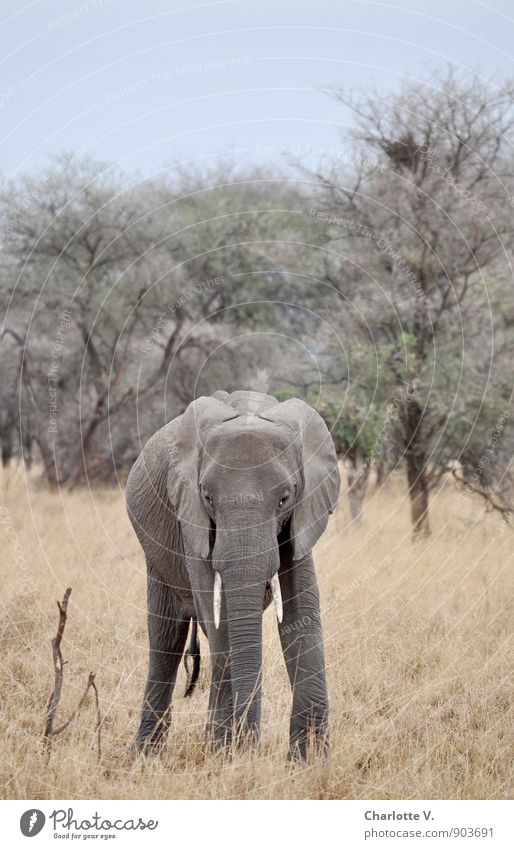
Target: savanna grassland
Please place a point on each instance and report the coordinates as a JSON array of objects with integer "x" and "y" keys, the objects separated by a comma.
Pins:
[{"x": 418, "y": 645}]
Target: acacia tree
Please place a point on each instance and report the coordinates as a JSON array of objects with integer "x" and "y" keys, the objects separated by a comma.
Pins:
[
  {"x": 91, "y": 279},
  {"x": 119, "y": 293},
  {"x": 68, "y": 249},
  {"x": 417, "y": 227}
]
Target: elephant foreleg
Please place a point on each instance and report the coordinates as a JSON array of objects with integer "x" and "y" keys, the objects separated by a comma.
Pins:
[
  {"x": 167, "y": 632},
  {"x": 302, "y": 645}
]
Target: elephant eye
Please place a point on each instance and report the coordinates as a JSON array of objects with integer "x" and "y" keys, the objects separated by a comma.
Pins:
[{"x": 283, "y": 500}]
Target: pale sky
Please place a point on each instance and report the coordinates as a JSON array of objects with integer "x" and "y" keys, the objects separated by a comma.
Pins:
[{"x": 147, "y": 85}]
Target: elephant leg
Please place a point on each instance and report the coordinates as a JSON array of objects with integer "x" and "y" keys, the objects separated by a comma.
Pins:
[
  {"x": 220, "y": 719},
  {"x": 302, "y": 645},
  {"x": 167, "y": 631}
]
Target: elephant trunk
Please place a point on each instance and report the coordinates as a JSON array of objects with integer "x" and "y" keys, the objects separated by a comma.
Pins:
[
  {"x": 246, "y": 570},
  {"x": 244, "y": 599}
]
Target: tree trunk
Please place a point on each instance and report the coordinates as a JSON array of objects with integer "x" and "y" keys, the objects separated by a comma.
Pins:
[
  {"x": 418, "y": 493},
  {"x": 357, "y": 473},
  {"x": 380, "y": 472},
  {"x": 40, "y": 438},
  {"x": 7, "y": 449},
  {"x": 26, "y": 443},
  {"x": 415, "y": 456}
]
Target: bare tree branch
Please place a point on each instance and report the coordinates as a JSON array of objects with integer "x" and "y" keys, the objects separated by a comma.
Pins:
[
  {"x": 506, "y": 511},
  {"x": 55, "y": 697}
]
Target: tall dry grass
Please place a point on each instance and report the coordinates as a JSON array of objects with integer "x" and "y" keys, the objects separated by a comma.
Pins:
[{"x": 418, "y": 644}]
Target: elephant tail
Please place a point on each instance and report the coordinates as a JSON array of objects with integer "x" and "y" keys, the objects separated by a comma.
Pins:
[{"x": 192, "y": 659}]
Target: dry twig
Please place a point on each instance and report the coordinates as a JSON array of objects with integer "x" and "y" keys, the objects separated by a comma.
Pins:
[{"x": 53, "y": 701}]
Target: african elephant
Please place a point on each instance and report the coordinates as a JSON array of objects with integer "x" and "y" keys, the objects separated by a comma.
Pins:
[{"x": 227, "y": 501}]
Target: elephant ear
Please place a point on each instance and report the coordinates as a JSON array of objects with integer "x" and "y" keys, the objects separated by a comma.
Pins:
[
  {"x": 318, "y": 471},
  {"x": 190, "y": 433}
]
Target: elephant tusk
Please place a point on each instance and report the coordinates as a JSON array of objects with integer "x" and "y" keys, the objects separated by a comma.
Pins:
[
  {"x": 217, "y": 599},
  {"x": 277, "y": 596}
]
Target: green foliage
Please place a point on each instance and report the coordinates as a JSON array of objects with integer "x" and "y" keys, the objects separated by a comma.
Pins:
[{"x": 353, "y": 426}]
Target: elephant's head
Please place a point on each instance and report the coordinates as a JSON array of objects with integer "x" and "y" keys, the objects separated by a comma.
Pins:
[{"x": 245, "y": 469}]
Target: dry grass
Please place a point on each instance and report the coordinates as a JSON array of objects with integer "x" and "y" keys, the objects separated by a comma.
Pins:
[{"x": 418, "y": 643}]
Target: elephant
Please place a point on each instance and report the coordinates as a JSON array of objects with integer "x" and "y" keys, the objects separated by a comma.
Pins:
[{"x": 227, "y": 501}]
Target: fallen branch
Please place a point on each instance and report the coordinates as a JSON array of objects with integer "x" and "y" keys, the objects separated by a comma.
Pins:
[{"x": 53, "y": 701}]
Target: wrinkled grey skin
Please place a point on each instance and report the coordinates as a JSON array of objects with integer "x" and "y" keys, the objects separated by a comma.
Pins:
[{"x": 243, "y": 485}]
